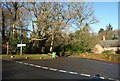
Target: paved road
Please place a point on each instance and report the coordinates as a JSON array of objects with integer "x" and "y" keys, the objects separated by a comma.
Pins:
[{"x": 60, "y": 68}]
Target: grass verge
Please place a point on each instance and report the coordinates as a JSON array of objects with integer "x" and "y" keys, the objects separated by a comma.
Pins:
[
  {"x": 27, "y": 56},
  {"x": 115, "y": 58}
]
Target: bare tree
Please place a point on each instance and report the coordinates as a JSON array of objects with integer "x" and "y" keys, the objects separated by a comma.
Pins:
[
  {"x": 48, "y": 19},
  {"x": 13, "y": 8}
]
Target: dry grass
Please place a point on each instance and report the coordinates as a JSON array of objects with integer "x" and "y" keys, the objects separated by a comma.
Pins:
[{"x": 103, "y": 57}]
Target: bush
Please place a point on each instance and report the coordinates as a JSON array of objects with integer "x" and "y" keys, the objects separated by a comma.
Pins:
[{"x": 108, "y": 52}]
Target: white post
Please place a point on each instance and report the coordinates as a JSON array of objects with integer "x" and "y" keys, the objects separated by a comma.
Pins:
[
  {"x": 21, "y": 41},
  {"x": 21, "y": 49}
]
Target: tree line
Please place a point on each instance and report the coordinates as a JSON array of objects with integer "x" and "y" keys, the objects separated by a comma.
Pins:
[{"x": 44, "y": 26}]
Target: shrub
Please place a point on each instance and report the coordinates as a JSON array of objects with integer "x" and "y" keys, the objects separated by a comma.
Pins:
[{"x": 108, "y": 52}]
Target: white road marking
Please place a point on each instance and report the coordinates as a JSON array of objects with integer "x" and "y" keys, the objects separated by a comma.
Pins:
[
  {"x": 73, "y": 72},
  {"x": 31, "y": 64},
  {"x": 37, "y": 66},
  {"x": 44, "y": 67},
  {"x": 85, "y": 75},
  {"x": 26, "y": 63},
  {"x": 62, "y": 71},
  {"x": 17, "y": 61},
  {"x": 52, "y": 69},
  {"x": 117, "y": 80},
  {"x": 113, "y": 79},
  {"x": 110, "y": 78},
  {"x": 20, "y": 62},
  {"x": 102, "y": 77}
]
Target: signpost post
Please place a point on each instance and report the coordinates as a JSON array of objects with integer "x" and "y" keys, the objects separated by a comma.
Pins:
[{"x": 21, "y": 45}]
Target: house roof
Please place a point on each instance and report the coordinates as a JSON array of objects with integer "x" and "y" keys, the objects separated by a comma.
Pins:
[{"x": 110, "y": 43}]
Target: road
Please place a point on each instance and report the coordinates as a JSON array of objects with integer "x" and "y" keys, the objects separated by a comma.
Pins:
[{"x": 60, "y": 68}]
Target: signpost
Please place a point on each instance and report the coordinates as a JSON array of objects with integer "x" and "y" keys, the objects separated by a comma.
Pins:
[{"x": 21, "y": 45}]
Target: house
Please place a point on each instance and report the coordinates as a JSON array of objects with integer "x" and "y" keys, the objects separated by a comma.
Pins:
[
  {"x": 98, "y": 49},
  {"x": 105, "y": 45},
  {"x": 112, "y": 45}
]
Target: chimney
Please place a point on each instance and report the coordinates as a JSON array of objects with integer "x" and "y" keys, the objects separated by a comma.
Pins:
[{"x": 103, "y": 37}]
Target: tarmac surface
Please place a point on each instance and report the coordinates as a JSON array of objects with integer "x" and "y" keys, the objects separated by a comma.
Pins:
[{"x": 60, "y": 68}]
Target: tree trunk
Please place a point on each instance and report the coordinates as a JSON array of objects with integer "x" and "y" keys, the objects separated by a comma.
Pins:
[
  {"x": 13, "y": 26},
  {"x": 52, "y": 41},
  {"x": 3, "y": 26}
]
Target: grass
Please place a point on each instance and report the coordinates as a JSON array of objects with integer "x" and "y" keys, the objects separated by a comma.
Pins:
[
  {"x": 103, "y": 57},
  {"x": 29, "y": 56}
]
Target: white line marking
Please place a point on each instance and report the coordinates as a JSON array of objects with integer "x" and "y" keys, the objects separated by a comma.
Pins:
[
  {"x": 44, "y": 67},
  {"x": 85, "y": 75},
  {"x": 102, "y": 77},
  {"x": 113, "y": 79},
  {"x": 56, "y": 69},
  {"x": 117, "y": 80},
  {"x": 31, "y": 64},
  {"x": 26, "y": 63},
  {"x": 110, "y": 78},
  {"x": 17, "y": 61},
  {"x": 20, "y": 62},
  {"x": 53, "y": 69},
  {"x": 63, "y": 71},
  {"x": 73, "y": 73},
  {"x": 37, "y": 66}
]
